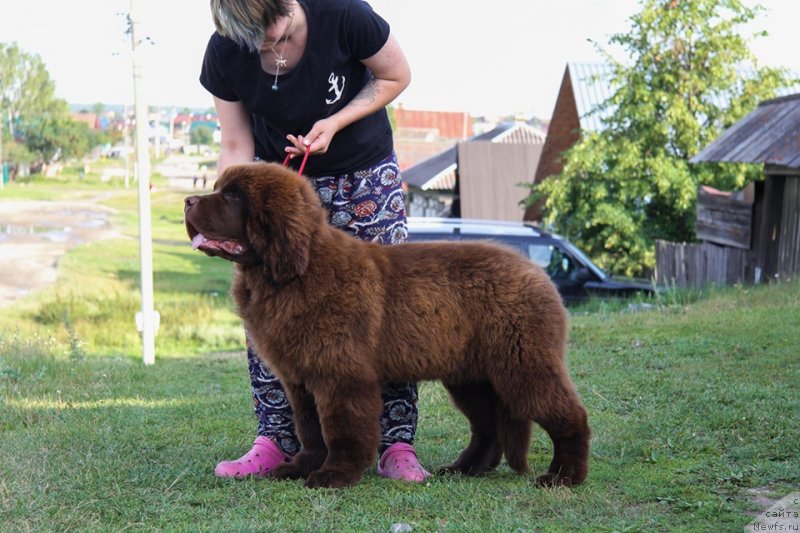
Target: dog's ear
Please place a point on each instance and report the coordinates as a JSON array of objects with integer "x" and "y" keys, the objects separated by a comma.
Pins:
[{"x": 284, "y": 214}]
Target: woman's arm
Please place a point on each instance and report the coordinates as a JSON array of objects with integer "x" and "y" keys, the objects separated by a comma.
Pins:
[
  {"x": 391, "y": 75},
  {"x": 237, "y": 134}
]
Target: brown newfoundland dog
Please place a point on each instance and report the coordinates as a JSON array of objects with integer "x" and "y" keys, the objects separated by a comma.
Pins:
[{"x": 334, "y": 317}]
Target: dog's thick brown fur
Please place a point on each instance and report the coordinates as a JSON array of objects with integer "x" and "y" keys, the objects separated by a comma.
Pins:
[{"x": 334, "y": 317}]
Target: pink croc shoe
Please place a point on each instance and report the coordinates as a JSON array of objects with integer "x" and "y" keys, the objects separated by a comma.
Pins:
[
  {"x": 263, "y": 457},
  {"x": 399, "y": 461}
]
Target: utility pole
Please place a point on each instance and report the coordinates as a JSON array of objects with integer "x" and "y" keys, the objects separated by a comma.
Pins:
[
  {"x": 149, "y": 317},
  {"x": 126, "y": 133},
  {"x": 2, "y": 165}
]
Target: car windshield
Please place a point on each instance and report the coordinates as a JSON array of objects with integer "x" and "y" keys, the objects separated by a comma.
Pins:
[{"x": 582, "y": 257}]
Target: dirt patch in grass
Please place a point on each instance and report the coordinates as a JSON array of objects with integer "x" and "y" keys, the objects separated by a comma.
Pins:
[
  {"x": 760, "y": 497},
  {"x": 34, "y": 235}
]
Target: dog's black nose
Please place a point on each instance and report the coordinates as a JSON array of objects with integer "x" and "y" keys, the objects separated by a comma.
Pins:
[{"x": 190, "y": 201}]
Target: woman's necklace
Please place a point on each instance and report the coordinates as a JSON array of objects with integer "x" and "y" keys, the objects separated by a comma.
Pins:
[{"x": 279, "y": 60}]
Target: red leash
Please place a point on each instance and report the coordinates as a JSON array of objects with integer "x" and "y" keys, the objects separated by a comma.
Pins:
[{"x": 302, "y": 164}]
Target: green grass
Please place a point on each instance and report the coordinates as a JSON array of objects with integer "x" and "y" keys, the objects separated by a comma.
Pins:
[
  {"x": 693, "y": 405},
  {"x": 97, "y": 292}
]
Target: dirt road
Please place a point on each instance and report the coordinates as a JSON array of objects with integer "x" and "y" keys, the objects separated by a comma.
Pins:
[{"x": 34, "y": 236}]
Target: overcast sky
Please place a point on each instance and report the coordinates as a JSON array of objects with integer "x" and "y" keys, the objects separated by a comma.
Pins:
[{"x": 487, "y": 58}]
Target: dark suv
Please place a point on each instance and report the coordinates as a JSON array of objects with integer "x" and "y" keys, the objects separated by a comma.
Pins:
[{"x": 574, "y": 274}]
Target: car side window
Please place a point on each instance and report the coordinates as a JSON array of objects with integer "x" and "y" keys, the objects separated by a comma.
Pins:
[
  {"x": 561, "y": 265},
  {"x": 541, "y": 254}
]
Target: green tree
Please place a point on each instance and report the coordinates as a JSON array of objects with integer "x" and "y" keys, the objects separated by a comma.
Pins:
[
  {"x": 99, "y": 108},
  {"x": 201, "y": 135},
  {"x": 34, "y": 115},
  {"x": 17, "y": 154},
  {"x": 58, "y": 137},
  {"x": 25, "y": 85},
  {"x": 690, "y": 76}
]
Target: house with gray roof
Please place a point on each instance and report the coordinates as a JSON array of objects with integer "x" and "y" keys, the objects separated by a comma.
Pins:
[{"x": 480, "y": 177}]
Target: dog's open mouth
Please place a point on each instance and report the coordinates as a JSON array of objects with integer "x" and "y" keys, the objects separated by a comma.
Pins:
[{"x": 230, "y": 247}]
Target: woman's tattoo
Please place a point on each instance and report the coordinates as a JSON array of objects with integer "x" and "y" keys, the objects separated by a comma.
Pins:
[{"x": 368, "y": 94}]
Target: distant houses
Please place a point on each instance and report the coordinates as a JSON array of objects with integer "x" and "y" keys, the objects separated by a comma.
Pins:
[
  {"x": 168, "y": 129},
  {"x": 420, "y": 135},
  {"x": 479, "y": 177},
  {"x": 483, "y": 176},
  {"x": 748, "y": 236}
]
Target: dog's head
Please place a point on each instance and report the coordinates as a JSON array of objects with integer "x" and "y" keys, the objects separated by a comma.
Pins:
[{"x": 259, "y": 213}]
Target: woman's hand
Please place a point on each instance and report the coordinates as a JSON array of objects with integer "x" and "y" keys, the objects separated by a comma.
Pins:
[
  {"x": 315, "y": 141},
  {"x": 390, "y": 76}
]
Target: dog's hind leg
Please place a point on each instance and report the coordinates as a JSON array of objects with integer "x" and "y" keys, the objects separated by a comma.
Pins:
[
  {"x": 514, "y": 436},
  {"x": 558, "y": 410},
  {"x": 554, "y": 405},
  {"x": 478, "y": 402},
  {"x": 538, "y": 388},
  {"x": 569, "y": 431}
]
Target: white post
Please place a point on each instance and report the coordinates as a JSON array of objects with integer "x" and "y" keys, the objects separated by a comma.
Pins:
[
  {"x": 126, "y": 133},
  {"x": 2, "y": 166},
  {"x": 148, "y": 315}
]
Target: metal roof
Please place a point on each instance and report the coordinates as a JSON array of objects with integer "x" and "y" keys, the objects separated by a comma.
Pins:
[
  {"x": 433, "y": 173},
  {"x": 439, "y": 172},
  {"x": 591, "y": 85},
  {"x": 770, "y": 134}
]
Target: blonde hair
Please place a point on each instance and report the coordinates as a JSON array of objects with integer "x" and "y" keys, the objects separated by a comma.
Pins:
[{"x": 245, "y": 21}]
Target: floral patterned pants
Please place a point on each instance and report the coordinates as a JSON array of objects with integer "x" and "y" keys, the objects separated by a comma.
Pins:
[{"x": 369, "y": 204}]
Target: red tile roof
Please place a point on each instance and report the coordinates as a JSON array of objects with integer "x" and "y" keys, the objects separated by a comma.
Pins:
[
  {"x": 90, "y": 119},
  {"x": 449, "y": 124}
]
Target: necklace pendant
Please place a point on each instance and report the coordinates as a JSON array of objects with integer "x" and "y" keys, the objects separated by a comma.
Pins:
[{"x": 275, "y": 86}]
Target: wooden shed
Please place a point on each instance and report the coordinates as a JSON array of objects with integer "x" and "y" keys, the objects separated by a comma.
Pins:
[{"x": 760, "y": 229}]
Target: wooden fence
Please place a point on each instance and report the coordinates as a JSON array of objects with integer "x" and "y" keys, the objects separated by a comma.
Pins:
[{"x": 697, "y": 265}]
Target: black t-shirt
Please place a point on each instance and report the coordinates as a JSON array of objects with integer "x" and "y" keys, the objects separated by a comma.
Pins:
[{"x": 326, "y": 78}]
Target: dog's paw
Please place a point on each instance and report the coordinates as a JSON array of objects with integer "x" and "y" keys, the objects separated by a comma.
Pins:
[
  {"x": 454, "y": 468},
  {"x": 287, "y": 471},
  {"x": 553, "y": 480},
  {"x": 333, "y": 479}
]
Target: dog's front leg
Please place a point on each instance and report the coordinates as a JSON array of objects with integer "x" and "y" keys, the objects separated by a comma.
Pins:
[
  {"x": 349, "y": 414},
  {"x": 313, "y": 451}
]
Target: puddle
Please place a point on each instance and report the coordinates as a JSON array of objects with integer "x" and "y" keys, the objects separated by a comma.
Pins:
[
  {"x": 76, "y": 213},
  {"x": 47, "y": 233},
  {"x": 94, "y": 223}
]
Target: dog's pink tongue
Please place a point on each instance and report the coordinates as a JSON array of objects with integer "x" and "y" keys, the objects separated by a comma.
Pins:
[{"x": 197, "y": 241}]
